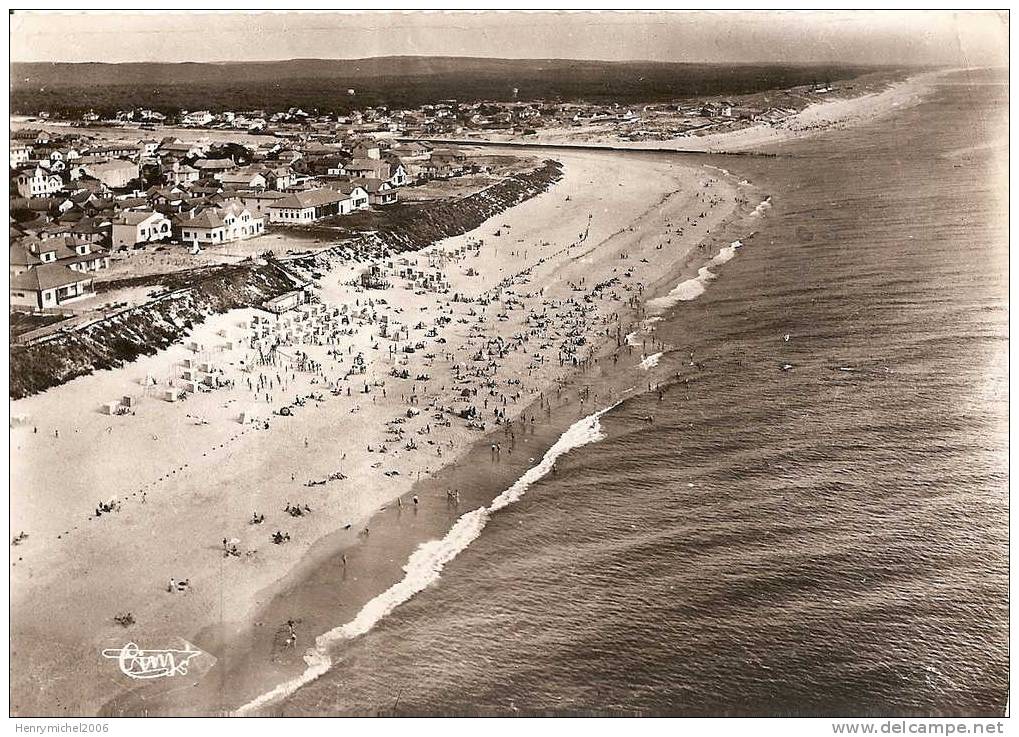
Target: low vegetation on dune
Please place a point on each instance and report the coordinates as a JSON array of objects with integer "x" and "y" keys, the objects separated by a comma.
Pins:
[
  {"x": 194, "y": 294},
  {"x": 413, "y": 225},
  {"x": 143, "y": 330}
]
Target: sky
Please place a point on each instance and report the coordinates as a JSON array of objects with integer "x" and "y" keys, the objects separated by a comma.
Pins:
[{"x": 874, "y": 37}]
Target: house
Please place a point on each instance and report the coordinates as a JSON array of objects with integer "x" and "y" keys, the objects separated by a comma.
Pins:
[
  {"x": 171, "y": 146},
  {"x": 444, "y": 163},
  {"x": 20, "y": 154},
  {"x": 47, "y": 274},
  {"x": 114, "y": 150},
  {"x": 308, "y": 206},
  {"x": 147, "y": 148},
  {"x": 30, "y": 134},
  {"x": 132, "y": 228},
  {"x": 70, "y": 251},
  {"x": 368, "y": 169},
  {"x": 412, "y": 151},
  {"x": 179, "y": 174},
  {"x": 171, "y": 197},
  {"x": 219, "y": 225},
  {"x": 367, "y": 150},
  {"x": 37, "y": 183},
  {"x": 244, "y": 179},
  {"x": 278, "y": 177},
  {"x": 198, "y": 117},
  {"x": 49, "y": 286},
  {"x": 398, "y": 176},
  {"x": 380, "y": 192},
  {"x": 90, "y": 229},
  {"x": 214, "y": 167},
  {"x": 114, "y": 174},
  {"x": 357, "y": 196}
]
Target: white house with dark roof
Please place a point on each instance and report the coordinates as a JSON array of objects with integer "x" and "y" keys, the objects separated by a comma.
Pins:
[
  {"x": 219, "y": 225},
  {"x": 37, "y": 183},
  {"x": 48, "y": 274},
  {"x": 306, "y": 207},
  {"x": 49, "y": 286},
  {"x": 132, "y": 228}
]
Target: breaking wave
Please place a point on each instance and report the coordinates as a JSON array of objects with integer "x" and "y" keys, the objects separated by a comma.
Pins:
[
  {"x": 762, "y": 208},
  {"x": 425, "y": 565},
  {"x": 649, "y": 362},
  {"x": 694, "y": 288}
]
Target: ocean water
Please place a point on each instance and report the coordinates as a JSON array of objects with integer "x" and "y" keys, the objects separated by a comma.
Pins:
[{"x": 816, "y": 521}]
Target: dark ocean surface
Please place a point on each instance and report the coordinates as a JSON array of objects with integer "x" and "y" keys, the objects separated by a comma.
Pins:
[{"x": 828, "y": 539}]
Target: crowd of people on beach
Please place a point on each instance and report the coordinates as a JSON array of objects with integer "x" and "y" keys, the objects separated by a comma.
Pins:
[{"x": 445, "y": 366}]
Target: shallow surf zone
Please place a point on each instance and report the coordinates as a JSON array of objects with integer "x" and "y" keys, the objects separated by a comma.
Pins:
[
  {"x": 694, "y": 288},
  {"x": 425, "y": 565},
  {"x": 649, "y": 362}
]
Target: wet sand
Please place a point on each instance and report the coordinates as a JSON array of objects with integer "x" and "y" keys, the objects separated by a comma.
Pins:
[
  {"x": 185, "y": 476},
  {"x": 204, "y": 473}
]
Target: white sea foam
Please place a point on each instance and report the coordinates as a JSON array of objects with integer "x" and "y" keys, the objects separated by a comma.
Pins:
[
  {"x": 425, "y": 565},
  {"x": 694, "y": 288},
  {"x": 649, "y": 362},
  {"x": 762, "y": 208}
]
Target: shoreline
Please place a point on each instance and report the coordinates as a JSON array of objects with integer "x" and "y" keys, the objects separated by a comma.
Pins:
[
  {"x": 817, "y": 117},
  {"x": 318, "y": 591},
  {"x": 176, "y": 491},
  {"x": 186, "y": 485}
]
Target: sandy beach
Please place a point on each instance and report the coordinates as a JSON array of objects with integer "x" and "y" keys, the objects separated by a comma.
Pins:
[
  {"x": 378, "y": 389},
  {"x": 834, "y": 114},
  {"x": 537, "y": 287}
]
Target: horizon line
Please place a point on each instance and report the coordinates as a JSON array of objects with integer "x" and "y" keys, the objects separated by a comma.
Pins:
[{"x": 492, "y": 58}]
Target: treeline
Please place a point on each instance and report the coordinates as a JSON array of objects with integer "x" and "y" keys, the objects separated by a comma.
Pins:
[{"x": 400, "y": 82}]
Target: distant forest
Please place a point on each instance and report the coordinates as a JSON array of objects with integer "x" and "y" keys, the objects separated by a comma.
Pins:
[{"x": 399, "y": 82}]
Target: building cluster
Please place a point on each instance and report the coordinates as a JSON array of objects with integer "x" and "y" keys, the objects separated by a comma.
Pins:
[
  {"x": 76, "y": 199},
  {"x": 460, "y": 118}
]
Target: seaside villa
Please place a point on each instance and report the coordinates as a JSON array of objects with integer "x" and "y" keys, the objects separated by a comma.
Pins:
[
  {"x": 46, "y": 274},
  {"x": 132, "y": 228},
  {"x": 219, "y": 225},
  {"x": 306, "y": 207}
]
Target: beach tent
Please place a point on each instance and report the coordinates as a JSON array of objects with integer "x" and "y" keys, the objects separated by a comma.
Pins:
[{"x": 251, "y": 414}]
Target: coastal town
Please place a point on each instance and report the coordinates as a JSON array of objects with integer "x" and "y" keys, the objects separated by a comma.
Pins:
[
  {"x": 296, "y": 324},
  {"x": 357, "y": 378},
  {"x": 100, "y": 197},
  {"x": 83, "y": 206},
  {"x": 257, "y": 345}
]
